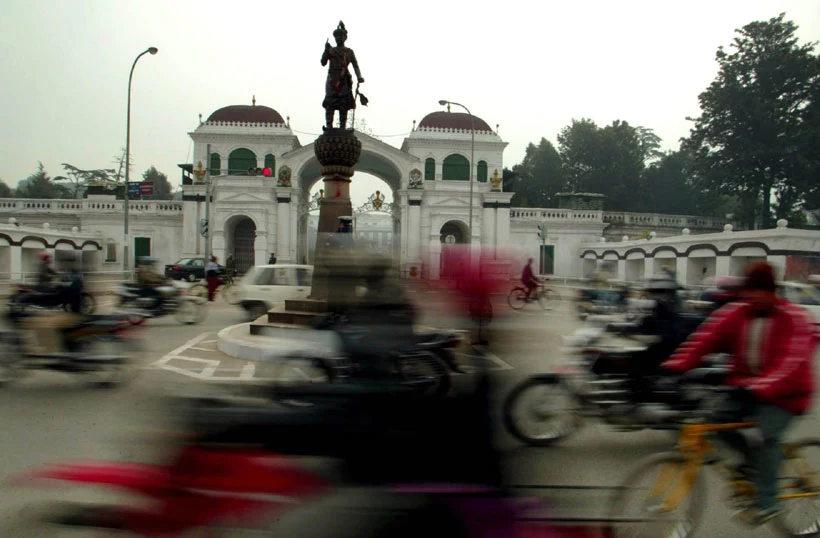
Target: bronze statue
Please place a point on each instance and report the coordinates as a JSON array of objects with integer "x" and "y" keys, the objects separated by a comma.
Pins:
[{"x": 339, "y": 93}]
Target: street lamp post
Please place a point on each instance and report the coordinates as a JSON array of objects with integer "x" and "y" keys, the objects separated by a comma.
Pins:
[
  {"x": 152, "y": 50},
  {"x": 472, "y": 157}
]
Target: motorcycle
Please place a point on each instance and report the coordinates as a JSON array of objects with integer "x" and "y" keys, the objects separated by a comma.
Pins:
[
  {"x": 234, "y": 472},
  {"x": 426, "y": 361},
  {"x": 593, "y": 383},
  {"x": 25, "y": 295},
  {"x": 169, "y": 300},
  {"x": 98, "y": 346},
  {"x": 600, "y": 301}
]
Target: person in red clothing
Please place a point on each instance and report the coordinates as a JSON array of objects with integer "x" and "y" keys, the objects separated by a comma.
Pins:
[{"x": 771, "y": 343}]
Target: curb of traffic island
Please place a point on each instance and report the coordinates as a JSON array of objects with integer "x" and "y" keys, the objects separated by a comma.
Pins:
[{"x": 237, "y": 341}]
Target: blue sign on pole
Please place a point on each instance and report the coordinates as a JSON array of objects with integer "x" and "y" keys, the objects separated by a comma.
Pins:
[{"x": 133, "y": 188}]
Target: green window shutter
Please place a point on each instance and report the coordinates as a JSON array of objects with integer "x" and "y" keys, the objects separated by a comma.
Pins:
[
  {"x": 270, "y": 162},
  {"x": 455, "y": 168},
  {"x": 430, "y": 169},
  {"x": 240, "y": 160},
  {"x": 216, "y": 164},
  {"x": 481, "y": 172},
  {"x": 142, "y": 247}
]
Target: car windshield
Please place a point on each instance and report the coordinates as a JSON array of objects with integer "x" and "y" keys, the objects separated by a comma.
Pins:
[{"x": 184, "y": 261}]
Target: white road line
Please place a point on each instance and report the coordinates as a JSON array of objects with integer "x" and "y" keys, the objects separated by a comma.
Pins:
[
  {"x": 496, "y": 359},
  {"x": 190, "y": 343}
]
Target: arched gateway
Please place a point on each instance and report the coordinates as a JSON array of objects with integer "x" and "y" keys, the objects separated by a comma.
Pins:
[{"x": 253, "y": 214}]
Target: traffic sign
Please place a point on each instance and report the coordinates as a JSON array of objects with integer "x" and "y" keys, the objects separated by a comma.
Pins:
[
  {"x": 133, "y": 188},
  {"x": 147, "y": 188}
]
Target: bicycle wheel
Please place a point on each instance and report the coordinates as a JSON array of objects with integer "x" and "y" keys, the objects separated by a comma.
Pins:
[
  {"x": 548, "y": 299},
  {"x": 798, "y": 476},
  {"x": 198, "y": 290},
  {"x": 230, "y": 293},
  {"x": 517, "y": 298},
  {"x": 661, "y": 498}
]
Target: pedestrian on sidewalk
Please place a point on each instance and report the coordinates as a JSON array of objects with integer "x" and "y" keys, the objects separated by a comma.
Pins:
[
  {"x": 212, "y": 277},
  {"x": 272, "y": 259}
]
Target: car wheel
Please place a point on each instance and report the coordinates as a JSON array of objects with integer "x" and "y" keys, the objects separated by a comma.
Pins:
[{"x": 192, "y": 278}]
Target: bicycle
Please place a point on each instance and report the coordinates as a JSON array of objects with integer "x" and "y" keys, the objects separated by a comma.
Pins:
[
  {"x": 227, "y": 289},
  {"x": 673, "y": 479},
  {"x": 546, "y": 297}
]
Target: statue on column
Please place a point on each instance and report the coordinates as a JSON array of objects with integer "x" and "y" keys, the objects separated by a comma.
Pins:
[{"x": 339, "y": 93}]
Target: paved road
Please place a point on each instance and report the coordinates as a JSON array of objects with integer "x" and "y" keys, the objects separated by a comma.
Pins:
[{"x": 50, "y": 417}]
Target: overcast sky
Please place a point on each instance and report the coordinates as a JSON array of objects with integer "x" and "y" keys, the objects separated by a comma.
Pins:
[{"x": 530, "y": 67}]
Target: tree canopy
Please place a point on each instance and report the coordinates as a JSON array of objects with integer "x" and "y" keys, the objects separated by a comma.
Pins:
[
  {"x": 162, "y": 188},
  {"x": 5, "y": 190},
  {"x": 757, "y": 133},
  {"x": 40, "y": 185}
]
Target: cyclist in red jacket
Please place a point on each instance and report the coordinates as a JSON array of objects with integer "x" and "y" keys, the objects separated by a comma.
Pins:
[
  {"x": 529, "y": 279},
  {"x": 772, "y": 344}
]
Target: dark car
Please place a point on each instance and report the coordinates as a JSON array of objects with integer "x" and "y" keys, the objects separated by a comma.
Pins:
[{"x": 190, "y": 269}]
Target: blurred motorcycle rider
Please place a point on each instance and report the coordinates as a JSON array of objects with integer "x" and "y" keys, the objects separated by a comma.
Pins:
[
  {"x": 664, "y": 323},
  {"x": 149, "y": 280},
  {"x": 45, "y": 273},
  {"x": 48, "y": 325}
]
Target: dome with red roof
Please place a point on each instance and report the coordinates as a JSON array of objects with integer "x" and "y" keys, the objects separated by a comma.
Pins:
[
  {"x": 453, "y": 120},
  {"x": 247, "y": 114}
]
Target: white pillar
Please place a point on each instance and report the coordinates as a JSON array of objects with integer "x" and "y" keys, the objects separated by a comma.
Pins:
[
  {"x": 283, "y": 250},
  {"x": 682, "y": 270},
  {"x": 622, "y": 270},
  {"x": 16, "y": 263},
  {"x": 433, "y": 268},
  {"x": 414, "y": 230},
  {"x": 488, "y": 227},
  {"x": 648, "y": 267},
  {"x": 779, "y": 264},
  {"x": 260, "y": 249},
  {"x": 722, "y": 265}
]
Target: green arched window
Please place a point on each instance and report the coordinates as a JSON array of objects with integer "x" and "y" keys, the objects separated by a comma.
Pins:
[
  {"x": 216, "y": 164},
  {"x": 240, "y": 160},
  {"x": 456, "y": 167},
  {"x": 270, "y": 162},
  {"x": 430, "y": 169},
  {"x": 481, "y": 171}
]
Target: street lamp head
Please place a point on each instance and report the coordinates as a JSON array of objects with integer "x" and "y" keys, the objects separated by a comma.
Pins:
[
  {"x": 444, "y": 102},
  {"x": 153, "y": 50}
]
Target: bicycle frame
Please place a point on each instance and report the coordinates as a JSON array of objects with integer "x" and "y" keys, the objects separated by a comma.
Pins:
[{"x": 675, "y": 480}]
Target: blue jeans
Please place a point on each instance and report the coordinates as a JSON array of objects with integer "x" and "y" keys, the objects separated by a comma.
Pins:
[{"x": 764, "y": 456}]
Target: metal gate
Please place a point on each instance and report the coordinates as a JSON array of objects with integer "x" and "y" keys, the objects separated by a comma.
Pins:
[{"x": 244, "y": 237}]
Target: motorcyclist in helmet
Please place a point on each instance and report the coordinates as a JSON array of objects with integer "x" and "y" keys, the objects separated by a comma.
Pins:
[
  {"x": 45, "y": 273},
  {"x": 48, "y": 325},
  {"x": 664, "y": 323},
  {"x": 149, "y": 280}
]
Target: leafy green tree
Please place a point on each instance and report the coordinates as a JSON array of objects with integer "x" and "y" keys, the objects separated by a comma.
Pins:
[
  {"x": 757, "y": 133},
  {"x": 537, "y": 178},
  {"x": 665, "y": 187},
  {"x": 650, "y": 144},
  {"x": 607, "y": 161},
  {"x": 40, "y": 185},
  {"x": 85, "y": 178},
  {"x": 5, "y": 190},
  {"x": 162, "y": 188}
]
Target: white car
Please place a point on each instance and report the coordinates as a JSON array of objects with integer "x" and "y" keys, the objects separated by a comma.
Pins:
[
  {"x": 804, "y": 295},
  {"x": 267, "y": 286}
]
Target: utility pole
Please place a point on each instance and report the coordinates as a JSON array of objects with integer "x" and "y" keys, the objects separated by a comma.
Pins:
[{"x": 208, "y": 252}]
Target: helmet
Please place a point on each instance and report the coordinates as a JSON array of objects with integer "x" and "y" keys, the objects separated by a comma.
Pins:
[
  {"x": 145, "y": 261},
  {"x": 45, "y": 256},
  {"x": 661, "y": 285}
]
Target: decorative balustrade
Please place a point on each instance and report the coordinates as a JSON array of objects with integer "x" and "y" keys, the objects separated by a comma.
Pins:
[
  {"x": 479, "y": 133},
  {"x": 27, "y": 205},
  {"x": 246, "y": 124},
  {"x": 555, "y": 214},
  {"x": 663, "y": 221}
]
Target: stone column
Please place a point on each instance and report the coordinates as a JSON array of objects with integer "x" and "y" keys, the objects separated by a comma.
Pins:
[
  {"x": 682, "y": 270},
  {"x": 16, "y": 263},
  {"x": 283, "y": 244},
  {"x": 622, "y": 270},
  {"x": 779, "y": 264},
  {"x": 722, "y": 265},
  {"x": 337, "y": 150},
  {"x": 414, "y": 226},
  {"x": 648, "y": 267}
]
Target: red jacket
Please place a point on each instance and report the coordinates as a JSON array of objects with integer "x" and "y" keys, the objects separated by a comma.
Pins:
[{"x": 785, "y": 376}]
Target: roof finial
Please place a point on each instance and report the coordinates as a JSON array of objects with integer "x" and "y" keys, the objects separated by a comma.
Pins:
[
  {"x": 200, "y": 119},
  {"x": 288, "y": 121},
  {"x": 253, "y": 102},
  {"x": 414, "y": 125},
  {"x": 448, "y": 107},
  {"x": 496, "y": 128}
]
